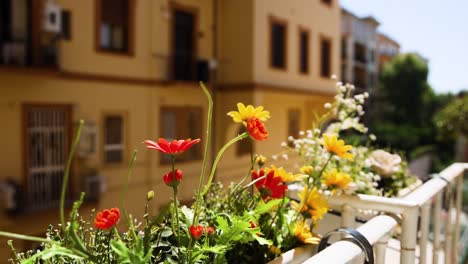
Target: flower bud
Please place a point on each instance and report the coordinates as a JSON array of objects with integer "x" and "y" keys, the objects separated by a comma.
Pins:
[
  {"x": 149, "y": 196},
  {"x": 173, "y": 179},
  {"x": 260, "y": 160}
]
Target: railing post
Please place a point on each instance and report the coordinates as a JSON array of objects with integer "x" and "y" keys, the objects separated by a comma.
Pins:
[
  {"x": 424, "y": 228},
  {"x": 380, "y": 249},
  {"x": 449, "y": 225},
  {"x": 437, "y": 227},
  {"x": 409, "y": 235},
  {"x": 347, "y": 216},
  {"x": 458, "y": 204}
]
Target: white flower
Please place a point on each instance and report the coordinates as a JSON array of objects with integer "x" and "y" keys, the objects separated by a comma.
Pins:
[
  {"x": 283, "y": 144},
  {"x": 274, "y": 157},
  {"x": 366, "y": 95},
  {"x": 301, "y": 133},
  {"x": 334, "y": 77},
  {"x": 372, "y": 137},
  {"x": 285, "y": 156},
  {"x": 290, "y": 138},
  {"x": 384, "y": 163},
  {"x": 327, "y": 105}
]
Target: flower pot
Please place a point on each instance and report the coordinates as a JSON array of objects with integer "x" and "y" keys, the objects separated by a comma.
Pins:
[{"x": 296, "y": 255}]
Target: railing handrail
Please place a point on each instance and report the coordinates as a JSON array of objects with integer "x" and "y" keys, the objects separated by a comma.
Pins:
[
  {"x": 379, "y": 228},
  {"x": 375, "y": 229}
]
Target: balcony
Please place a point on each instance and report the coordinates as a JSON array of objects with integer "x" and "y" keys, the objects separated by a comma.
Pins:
[
  {"x": 423, "y": 237},
  {"x": 18, "y": 53},
  {"x": 29, "y": 32},
  {"x": 185, "y": 67}
]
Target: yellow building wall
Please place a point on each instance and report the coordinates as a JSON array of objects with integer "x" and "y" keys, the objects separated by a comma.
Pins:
[
  {"x": 152, "y": 33},
  {"x": 320, "y": 19},
  {"x": 90, "y": 100},
  {"x": 235, "y": 41}
]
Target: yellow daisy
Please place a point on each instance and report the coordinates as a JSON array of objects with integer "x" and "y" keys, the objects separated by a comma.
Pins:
[
  {"x": 316, "y": 206},
  {"x": 336, "y": 180},
  {"x": 306, "y": 169},
  {"x": 337, "y": 147},
  {"x": 285, "y": 176},
  {"x": 244, "y": 113},
  {"x": 303, "y": 233}
]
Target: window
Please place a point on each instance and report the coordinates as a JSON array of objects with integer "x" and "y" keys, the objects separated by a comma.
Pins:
[
  {"x": 325, "y": 56},
  {"x": 182, "y": 123},
  {"x": 294, "y": 122},
  {"x": 114, "y": 143},
  {"x": 303, "y": 51},
  {"x": 278, "y": 33},
  {"x": 66, "y": 25},
  {"x": 114, "y": 25}
]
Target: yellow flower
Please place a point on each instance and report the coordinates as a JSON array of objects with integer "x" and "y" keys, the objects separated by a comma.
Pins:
[
  {"x": 285, "y": 176},
  {"x": 337, "y": 147},
  {"x": 244, "y": 113},
  {"x": 316, "y": 206},
  {"x": 336, "y": 180},
  {"x": 303, "y": 233},
  {"x": 307, "y": 169}
]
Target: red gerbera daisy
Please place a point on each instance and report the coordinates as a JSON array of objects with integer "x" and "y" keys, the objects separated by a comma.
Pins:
[
  {"x": 174, "y": 147},
  {"x": 270, "y": 186}
]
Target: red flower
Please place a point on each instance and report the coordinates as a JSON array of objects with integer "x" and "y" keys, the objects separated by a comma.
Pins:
[
  {"x": 107, "y": 218},
  {"x": 173, "y": 179},
  {"x": 257, "y": 129},
  {"x": 209, "y": 230},
  {"x": 270, "y": 186},
  {"x": 174, "y": 147},
  {"x": 253, "y": 225},
  {"x": 196, "y": 231}
]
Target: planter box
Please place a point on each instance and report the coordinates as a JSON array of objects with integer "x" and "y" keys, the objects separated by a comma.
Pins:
[{"x": 296, "y": 256}]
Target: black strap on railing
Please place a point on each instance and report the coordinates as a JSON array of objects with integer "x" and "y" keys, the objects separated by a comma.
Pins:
[
  {"x": 435, "y": 175},
  {"x": 354, "y": 237}
]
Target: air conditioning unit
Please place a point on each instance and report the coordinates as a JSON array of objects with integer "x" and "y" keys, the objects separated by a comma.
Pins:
[
  {"x": 87, "y": 146},
  {"x": 93, "y": 186},
  {"x": 52, "y": 17},
  {"x": 7, "y": 196}
]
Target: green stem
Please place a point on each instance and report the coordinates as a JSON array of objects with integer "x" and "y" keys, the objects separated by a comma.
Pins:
[
  {"x": 125, "y": 186},
  {"x": 205, "y": 159},
  {"x": 276, "y": 215},
  {"x": 218, "y": 157},
  {"x": 29, "y": 238},
  {"x": 310, "y": 191},
  {"x": 67, "y": 173},
  {"x": 176, "y": 211},
  {"x": 207, "y": 141}
]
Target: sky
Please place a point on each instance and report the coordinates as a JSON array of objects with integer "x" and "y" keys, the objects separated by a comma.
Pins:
[{"x": 436, "y": 29}]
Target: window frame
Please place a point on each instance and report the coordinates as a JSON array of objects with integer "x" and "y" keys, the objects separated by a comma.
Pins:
[
  {"x": 66, "y": 32},
  {"x": 306, "y": 32},
  {"x": 283, "y": 22},
  {"x": 328, "y": 3},
  {"x": 123, "y": 144},
  {"x": 330, "y": 51},
  {"x": 180, "y": 112},
  {"x": 130, "y": 34}
]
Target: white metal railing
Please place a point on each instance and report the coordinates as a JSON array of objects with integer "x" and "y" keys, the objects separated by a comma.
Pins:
[{"x": 408, "y": 209}]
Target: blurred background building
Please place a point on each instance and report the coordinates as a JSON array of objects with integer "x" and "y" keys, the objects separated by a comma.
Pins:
[{"x": 130, "y": 70}]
